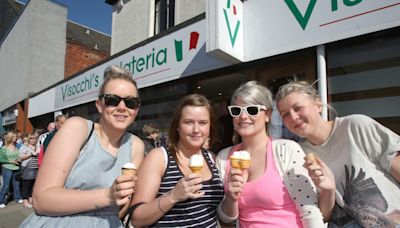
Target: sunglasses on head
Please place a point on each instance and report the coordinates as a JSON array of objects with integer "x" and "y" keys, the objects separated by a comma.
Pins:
[
  {"x": 113, "y": 100},
  {"x": 251, "y": 110}
]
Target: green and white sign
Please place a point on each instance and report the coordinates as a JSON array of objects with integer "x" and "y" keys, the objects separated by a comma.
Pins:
[
  {"x": 174, "y": 56},
  {"x": 225, "y": 29},
  {"x": 281, "y": 26}
]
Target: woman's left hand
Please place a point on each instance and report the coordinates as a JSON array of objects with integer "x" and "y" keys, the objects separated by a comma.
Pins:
[
  {"x": 321, "y": 175},
  {"x": 122, "y": 189}
]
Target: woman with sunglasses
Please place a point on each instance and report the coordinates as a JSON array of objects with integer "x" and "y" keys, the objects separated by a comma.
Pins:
[
  {"x": 276, "y": 190},
  {"x": 363, "y": 154},
  {"x": 168, "y": 194},
  {"x": 79, "y": 182}
]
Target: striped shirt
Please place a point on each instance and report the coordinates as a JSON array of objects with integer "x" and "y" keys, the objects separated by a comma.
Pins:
[{"x": 201, "y": 212}]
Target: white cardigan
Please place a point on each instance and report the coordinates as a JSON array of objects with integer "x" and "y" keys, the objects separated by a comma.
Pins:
[{"x": 289, "y": 160}]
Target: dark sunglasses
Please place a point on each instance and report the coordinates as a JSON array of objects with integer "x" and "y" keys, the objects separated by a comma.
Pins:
[
  {"x": 113, "y": 100},
  {"x": 251, "y": 110}
]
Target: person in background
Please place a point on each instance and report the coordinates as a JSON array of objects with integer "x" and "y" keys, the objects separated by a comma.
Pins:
[
  {"x": 59, "y": 122},
  {"x": 79, "y": 183},
  {"x": 168, "y": 194},
  {"x": 50, "y": 128},
  {"x": 1, "y": 141},
  {"x": 29, "y": 167},
  {"x": 19, "y": 142},
  {"x": 9, "y": 159},
  {"x": 275, "y": 190},
  {"x": 150, "y": 140},
  {"x": 363, "y": 155}
]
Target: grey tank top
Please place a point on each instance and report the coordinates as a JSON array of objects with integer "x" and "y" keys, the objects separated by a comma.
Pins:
[{"x": 94, "y": 168}]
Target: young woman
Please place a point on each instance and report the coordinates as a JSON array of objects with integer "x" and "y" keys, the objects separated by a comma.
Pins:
[
  {"x": 79, "y": 182},
  {"x": 10, "y": 167},
  {"x": 276, "y": 190},
  {"x": 29, "y": 168},
  {"x": 363, "y": 155},
  {"x": 168, "y": 194}
]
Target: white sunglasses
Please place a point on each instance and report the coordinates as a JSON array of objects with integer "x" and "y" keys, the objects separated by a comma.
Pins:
[{"x": 251, "y": 110}]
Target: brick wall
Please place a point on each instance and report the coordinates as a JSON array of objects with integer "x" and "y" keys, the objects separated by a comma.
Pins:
[{"x": 78, "y": 57}]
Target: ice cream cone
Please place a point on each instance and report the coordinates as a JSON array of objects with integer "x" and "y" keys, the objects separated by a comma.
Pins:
[
  {"x": 129, "y": 169},
  {"x": 130, "y": 172},
  {"x": 196, "y": 163},
  {"x": 195, "y": 169},
  {"x": 310, "y": 158},
  {"x": 244, "y": 163},
  {"x": 235, "y": 162}
]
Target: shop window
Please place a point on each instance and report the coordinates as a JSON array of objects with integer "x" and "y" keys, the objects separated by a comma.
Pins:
[
  {"x": 363, "y": 77},
  {"x": 164, "y": 15}
]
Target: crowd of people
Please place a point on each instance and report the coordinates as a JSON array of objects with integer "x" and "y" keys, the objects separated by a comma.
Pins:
[{"x": 345, "y": 172}]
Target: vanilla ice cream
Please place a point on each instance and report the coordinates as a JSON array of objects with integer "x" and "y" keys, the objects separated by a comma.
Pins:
[{"x": 196, "y": 163}]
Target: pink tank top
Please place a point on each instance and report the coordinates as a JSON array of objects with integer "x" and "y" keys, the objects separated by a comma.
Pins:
[{"x": 266, "y": 202}]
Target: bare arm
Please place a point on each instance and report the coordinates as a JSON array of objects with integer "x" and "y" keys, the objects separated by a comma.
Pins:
[
  {"x": 51, "y": 198},
  {"x": 148, "y": 184},
  {"x": 395, "y": 167},
  {"x": 236, "y": 181}
]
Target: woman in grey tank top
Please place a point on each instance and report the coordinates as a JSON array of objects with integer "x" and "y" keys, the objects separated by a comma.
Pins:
[{"x": 79, "y": 182}]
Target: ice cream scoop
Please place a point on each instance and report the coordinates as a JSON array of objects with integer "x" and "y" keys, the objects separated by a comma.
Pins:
[
  {"x": 196, "y": 163},
  {"x": 129, "y": 169}
]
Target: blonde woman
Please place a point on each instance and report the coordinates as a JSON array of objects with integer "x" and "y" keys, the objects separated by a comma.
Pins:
[
  {"x": 276, "y": 190},
  {"x": 29, "y": 168},
  {"x": 363, "y": 155},
  {"x": 79, "y": 182},
  {"x": 9, "y": 159}
]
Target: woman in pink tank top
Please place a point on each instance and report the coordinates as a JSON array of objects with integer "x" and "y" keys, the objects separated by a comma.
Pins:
[{"x": 275, "y": 190}]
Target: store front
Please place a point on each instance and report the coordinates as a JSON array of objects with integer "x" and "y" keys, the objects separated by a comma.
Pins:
[{"x": 361, "y": 69}]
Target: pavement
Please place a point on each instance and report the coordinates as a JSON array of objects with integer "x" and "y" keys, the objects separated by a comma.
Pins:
[{"x": 13, "y": 214}]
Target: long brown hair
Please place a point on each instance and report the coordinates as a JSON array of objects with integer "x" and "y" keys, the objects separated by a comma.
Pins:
[{"x": 190, "y": 100}]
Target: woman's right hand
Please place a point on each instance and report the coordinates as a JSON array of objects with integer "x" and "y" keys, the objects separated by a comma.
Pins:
[
  {"x": 122, "y": 190},
  {"x": 236, "y": 181},
  {"x": 188, "y": 187}
]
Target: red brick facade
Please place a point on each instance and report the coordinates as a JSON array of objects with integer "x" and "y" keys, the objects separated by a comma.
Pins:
[{"x": 78, "y": 57}]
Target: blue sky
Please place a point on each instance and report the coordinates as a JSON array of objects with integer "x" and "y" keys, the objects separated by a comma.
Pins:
[{"x": 95, "y": 14}]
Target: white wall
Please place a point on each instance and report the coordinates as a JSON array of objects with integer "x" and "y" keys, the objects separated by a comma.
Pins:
[
  {"x": 32, "y": 55},
  {"x": 134, "y": 21},
  {"x": 130, "y": 24},
  {"x": 184, "y": 9}
]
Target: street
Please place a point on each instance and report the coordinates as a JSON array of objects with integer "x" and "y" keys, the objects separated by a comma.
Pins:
[{"x": 12, "y": 215}]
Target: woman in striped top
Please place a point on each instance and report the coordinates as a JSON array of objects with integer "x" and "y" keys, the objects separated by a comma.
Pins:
[{"x": 167, "y": 193}]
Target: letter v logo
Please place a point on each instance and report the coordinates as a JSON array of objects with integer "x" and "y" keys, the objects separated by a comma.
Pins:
[
  {"x": 303, "y": 20},
  {"x": 233, "y": 35}
]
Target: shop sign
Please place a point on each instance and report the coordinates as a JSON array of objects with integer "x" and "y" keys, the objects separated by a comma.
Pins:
[
  {"x": 171, "y": 57},
  {"x": 276, "y": 27},
  {"x": 225, "y": 29}
]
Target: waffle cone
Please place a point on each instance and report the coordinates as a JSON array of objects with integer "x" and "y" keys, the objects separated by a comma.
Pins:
[
  {"x": 129, "y": 172},
  {"x": 244, "y": 164},
  {"x": 195, "y": 169},
  {"x": 235, "y": 162},
  {"x": 310, "y": 158}
]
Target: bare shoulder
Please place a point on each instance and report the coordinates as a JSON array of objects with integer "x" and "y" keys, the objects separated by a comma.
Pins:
[
  {"x": 155, "y": 159},
  {"x": 75, "y": 127}
]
